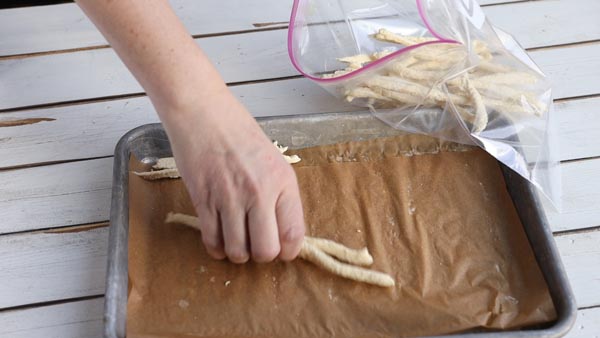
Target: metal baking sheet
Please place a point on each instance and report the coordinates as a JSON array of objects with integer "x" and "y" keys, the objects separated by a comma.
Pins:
[{"x": 150, "y": 142}]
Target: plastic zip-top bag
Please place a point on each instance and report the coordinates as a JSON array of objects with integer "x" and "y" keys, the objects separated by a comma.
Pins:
[{"x": 435, "y": 67}]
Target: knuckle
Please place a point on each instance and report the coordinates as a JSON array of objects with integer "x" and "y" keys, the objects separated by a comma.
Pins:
[
  {"x": 198, "y": 195},
  {"x": 252, "y": 186},
  {"x": 225, "y": 188}
]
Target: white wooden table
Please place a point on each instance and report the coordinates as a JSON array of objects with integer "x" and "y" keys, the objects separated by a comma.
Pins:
[{"x": 74, "y": 99}]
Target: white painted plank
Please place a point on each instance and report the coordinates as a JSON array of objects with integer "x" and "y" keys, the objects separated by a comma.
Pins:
[
  {"x": 100, "y": 73},
  {"x": 55, "y": 195},
  {"x": 77, "y": 319},
  {"x": 578, "y": 128},
  {"x": 41, "y": 267},
  {"x": 581, "y": 196},
  {"x": 587, "y": 324},
  {"x": 558, "y": 22},
  {"x": 580, "y": 254},
  {"x": 77, "y": 131},
  {"x": 44, "y": 267},
  {"x": 59, "y": 27},
  {"x": 573, "y": 71}
]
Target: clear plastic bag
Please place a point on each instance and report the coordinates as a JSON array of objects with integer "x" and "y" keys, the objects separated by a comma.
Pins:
[{"x": 435, "y": 67}]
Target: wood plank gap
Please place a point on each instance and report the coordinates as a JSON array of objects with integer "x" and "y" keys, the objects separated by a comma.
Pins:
[
  {"x": 76, "y": 228},
  {"x": 40, "y": 164},
  {"x": 73, "y": 102},
  {"x": 508, "y": 3},
  {"x": 49, "y": 303},
  {"x": 581, "y": 159},
  {"x": 564, "y": 45},
  {"x": 259, "y": 28},
  {"x": 576, "y": 231},
  {"x": 51, "y": 52},
  {"x": 61, "y": 229},
  {"x": 588, "y": 307},
  {"x": 576, "y": 98},
  {"x": 273, "y": 79}
]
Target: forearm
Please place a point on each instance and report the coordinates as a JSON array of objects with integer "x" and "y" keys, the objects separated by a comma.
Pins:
[{"x": 152, "y": 42}]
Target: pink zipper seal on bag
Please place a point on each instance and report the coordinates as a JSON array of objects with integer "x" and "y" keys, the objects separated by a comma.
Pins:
[{"x": 375, "y": 63}]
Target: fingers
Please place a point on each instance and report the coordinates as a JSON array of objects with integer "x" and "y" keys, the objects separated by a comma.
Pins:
[
  {"x": 264, "y": 236},
  {"x": 233, "y": 222},
  {"x": 290, "y": 221},
  {"x": 211, "y": 232}
]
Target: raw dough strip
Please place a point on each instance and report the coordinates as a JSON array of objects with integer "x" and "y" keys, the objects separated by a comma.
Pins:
[
  {"x": 320, "y": 252},
  {"x": 509, "y": 78},
  {"x": 312, "y": 254},
  {"x": 356, "y": 61},
  {"x": 158, "y": 174},
  {"x": 365, "y": 92},
  {"x": 168, "y": 169},
  {"x": 414, "y": 80},
  {"x": 290, "y": 159},
  {"x": 406, "y": 87},
  {"x": 165, "y": 163},
  {"x": 388, "y": 36},
  {"x": 191, "y": 221},
  {"x": 342, "y": 252},
  {"x": 481, "y": 47},
  {"x": 481, "y": 115},
  {"x": 397, "y": 89}
]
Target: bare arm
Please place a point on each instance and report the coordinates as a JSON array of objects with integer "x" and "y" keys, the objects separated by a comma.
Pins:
[{"x": 242, "y": 189}]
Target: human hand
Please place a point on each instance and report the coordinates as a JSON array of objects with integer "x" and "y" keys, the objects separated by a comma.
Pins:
[{"x": 243, "y": 191}]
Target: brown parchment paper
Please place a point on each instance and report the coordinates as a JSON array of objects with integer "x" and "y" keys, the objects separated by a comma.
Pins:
[{"x": 437, "y": 217}]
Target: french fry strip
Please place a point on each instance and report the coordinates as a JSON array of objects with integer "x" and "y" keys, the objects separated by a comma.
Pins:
[{"x": 168, "y": 169}]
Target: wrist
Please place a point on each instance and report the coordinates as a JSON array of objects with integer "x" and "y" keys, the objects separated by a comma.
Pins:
[
  {"x": 188, "y": 104},
  {"x": 219, "y": 113}
]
